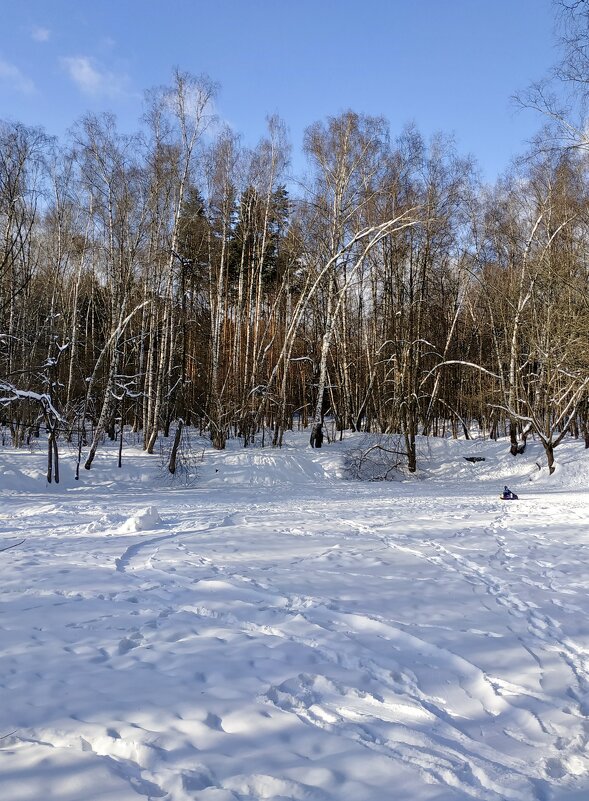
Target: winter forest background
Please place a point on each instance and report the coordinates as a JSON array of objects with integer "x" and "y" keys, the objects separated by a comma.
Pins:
[{"x": 175, "y": 278}]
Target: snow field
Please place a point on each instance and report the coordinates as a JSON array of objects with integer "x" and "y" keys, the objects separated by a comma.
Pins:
[{"x": 276, "y": 632}]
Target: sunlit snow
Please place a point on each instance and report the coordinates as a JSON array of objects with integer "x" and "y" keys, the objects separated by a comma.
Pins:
[{"x": 275, "y": 631}]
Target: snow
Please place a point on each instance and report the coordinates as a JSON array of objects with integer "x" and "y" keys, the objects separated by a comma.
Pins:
[{"x": 274, "y": 631}]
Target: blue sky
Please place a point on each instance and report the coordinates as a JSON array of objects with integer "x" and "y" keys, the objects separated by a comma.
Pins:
[{"x": 449, "y": 65}]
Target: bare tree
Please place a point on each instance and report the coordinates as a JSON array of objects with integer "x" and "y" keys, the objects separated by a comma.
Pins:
[{"x": 187, "y": 105}]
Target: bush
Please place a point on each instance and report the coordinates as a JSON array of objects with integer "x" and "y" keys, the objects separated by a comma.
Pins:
[{"x": 378, "y": 457}]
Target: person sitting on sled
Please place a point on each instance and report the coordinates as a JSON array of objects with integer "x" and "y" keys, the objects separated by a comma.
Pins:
[{"x": 508, "y": 495}]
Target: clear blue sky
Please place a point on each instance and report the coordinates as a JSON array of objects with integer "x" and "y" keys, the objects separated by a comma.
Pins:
[{"x": 449, "y": 65}]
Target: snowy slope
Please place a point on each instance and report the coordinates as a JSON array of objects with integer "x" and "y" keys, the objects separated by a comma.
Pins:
[{"x": 274, "y": 631}]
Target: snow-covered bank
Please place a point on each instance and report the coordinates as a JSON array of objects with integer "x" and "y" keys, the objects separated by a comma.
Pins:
[{"x": 276, "y": 632}]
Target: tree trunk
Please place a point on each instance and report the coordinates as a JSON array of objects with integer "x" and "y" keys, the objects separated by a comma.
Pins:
[
  {"x": 175, "y": 447},
  {"x": 549, "y": 450}
]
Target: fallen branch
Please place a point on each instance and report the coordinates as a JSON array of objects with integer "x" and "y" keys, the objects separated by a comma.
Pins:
[{"x": 8, "y": 547}]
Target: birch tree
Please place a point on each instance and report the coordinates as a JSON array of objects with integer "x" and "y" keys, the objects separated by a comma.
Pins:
[{"x": 188, "y": 104}]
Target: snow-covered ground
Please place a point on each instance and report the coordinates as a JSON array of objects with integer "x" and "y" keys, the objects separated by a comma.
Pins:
[{"x": 277, "y": 632}]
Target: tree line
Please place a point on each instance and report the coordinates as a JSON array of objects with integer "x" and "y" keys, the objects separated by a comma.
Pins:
[{"x": 175, "y": 278}]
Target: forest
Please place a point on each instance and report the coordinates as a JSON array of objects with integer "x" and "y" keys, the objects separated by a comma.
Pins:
[{"x": 174, "y": 278}]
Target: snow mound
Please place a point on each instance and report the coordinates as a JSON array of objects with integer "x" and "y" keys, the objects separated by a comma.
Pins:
[
  {"x": 20, "y": 480},
  {"x": 265, "y": 468},
  {"x": 106, "y": 522},
  {"x": 571, "y": 468},
  {"x": 143, "y": 520}
]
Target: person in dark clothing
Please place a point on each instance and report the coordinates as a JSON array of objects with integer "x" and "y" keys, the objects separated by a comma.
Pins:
[
  {"x": 508, "y": 495},
  {"x": 317, "y": 436}
]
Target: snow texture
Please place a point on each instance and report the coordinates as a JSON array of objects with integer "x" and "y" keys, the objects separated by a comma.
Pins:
[{"x": 278, "y": 632}]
